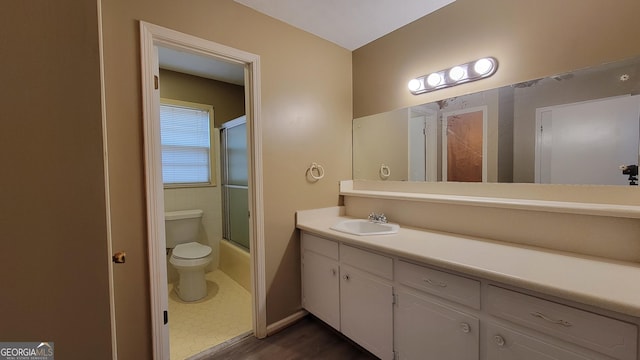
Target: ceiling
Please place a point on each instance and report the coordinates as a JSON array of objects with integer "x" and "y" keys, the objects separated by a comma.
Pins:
[
  {"x": 202, "y": 66},
  {"x": 348, "y": 23}
]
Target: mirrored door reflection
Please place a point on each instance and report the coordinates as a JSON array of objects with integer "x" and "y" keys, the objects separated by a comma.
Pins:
[{"x": 463, "y": 149}]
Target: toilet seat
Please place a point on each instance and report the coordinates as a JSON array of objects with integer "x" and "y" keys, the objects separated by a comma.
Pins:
[{"x": 191, "y": 251}]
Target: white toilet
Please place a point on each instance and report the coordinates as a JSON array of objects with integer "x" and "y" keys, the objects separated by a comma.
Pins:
[{"x": 188, "y": 256}]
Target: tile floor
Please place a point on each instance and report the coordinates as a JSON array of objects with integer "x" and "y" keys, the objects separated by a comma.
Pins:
[{"x": 223, "y": 314}]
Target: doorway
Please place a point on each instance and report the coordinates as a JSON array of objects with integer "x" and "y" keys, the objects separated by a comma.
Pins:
[{"x": 152, "y": 37}]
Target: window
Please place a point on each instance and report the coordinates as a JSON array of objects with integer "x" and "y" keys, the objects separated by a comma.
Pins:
[{"x": 185, "y": 133}]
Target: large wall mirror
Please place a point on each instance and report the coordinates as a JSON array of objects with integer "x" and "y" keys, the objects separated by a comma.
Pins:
[{"x": 572, "y": 128}]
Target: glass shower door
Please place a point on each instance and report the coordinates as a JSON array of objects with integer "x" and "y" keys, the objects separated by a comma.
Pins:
[{"x": 233, "y": 143}]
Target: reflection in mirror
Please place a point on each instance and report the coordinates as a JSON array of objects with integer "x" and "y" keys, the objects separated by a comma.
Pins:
[{"x": 573, "y": 128}]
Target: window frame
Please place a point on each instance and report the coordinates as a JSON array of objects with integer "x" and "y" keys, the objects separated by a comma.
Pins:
[{"x": 212, "y": 143}]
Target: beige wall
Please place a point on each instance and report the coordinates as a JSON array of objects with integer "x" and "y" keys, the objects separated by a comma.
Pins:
[
  {"x": 381, "y": 139},
  {"x": 306, "y": 115},
  {"x": 530, "y": 39},
  {"x": 227, "y": 99},
  {"x": 53, "y": 230}
]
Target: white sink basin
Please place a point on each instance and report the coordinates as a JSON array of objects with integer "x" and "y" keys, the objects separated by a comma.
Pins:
[{"x": 365, "y": 227}]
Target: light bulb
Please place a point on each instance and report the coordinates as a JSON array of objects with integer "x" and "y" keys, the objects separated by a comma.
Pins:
[
  {"x": 414, "y": 85},
  {"x": 434, "y": 79},
  {"x": 456, "y": 73},
  {"x": 483, "y": 66}
]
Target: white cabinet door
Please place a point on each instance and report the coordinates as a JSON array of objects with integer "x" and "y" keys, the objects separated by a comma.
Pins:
[
  {"x": 321, "y": 287},
  {"x": 428, "y": 330},
  {"x": 506, "y": 344},
  {"x": 367, "y": 311}
]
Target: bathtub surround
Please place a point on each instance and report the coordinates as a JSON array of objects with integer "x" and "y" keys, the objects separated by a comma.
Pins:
[{"x": 235, "y": 262}]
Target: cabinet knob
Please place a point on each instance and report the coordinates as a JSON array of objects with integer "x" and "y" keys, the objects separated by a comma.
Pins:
[
  {"x": 466, "y": 328},
  {"x": 333, "y": 272},
  {"x": 499, "y": 340},
  {"x": 346, "y": 277}
]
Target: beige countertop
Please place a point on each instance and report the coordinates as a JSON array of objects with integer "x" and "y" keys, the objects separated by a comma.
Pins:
[{"x": 608, "y": 284}]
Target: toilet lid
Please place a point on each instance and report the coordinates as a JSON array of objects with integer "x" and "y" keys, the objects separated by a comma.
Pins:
[{"x": 192, "y": 250}]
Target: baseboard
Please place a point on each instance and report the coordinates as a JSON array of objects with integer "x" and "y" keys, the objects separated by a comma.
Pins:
[
  {"x": 271, "y": 329},
  {"x": 286, "y": 322},
  {"x": 206, "y": 354}
]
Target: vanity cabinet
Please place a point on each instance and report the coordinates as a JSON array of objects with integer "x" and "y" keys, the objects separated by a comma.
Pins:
[
  {"x": 320, "y": 279},
  {"x": 424, "y": 324},
  {"x": 610, "y": 337},
  {"x": 505, "y": 343},
  {"x": 351, "y": 290},
  {"x": 366, "y": 300},
  {"x": 406, "y": 310}
]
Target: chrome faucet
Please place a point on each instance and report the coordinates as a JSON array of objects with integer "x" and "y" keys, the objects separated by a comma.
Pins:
[{"x": 378, "y": 218}]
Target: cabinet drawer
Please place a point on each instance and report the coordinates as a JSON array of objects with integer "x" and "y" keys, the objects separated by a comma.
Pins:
[
  {"x": 506, "y": 344},
  {"x": 320, "y": 245},
  {"x": 451, "y": 287},
  {"x": 596, "y": 332},
  {"x": 367, "y": 261}
]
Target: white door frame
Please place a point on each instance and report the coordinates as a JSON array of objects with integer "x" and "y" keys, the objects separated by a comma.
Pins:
[
  {"x": 485, "y": 126},
  {"x": 150, "y": 36},
  {"x": 431, "y": 138}
]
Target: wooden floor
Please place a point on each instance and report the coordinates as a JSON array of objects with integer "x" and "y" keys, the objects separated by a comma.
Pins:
[{"x": 307, "y": 339}]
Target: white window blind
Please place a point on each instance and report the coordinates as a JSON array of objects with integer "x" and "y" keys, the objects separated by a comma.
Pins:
[{"x": 186, "y": 145}]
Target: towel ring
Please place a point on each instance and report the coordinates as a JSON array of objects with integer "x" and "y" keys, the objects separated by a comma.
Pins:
[
  {"x": 316, "y": 171},
  {"x": 385, "y": 172}
]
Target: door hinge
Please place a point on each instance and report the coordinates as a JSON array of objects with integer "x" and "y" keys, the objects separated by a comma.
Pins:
[
  {"x": 394, "y": 298},
  {"x": 156, "y": 82},
  {"x": 395, "y": 355},
  {"x": 166, "y": 317}
]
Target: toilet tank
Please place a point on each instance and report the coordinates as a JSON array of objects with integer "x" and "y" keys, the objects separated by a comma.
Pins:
[{"x": 182, "y": 226}]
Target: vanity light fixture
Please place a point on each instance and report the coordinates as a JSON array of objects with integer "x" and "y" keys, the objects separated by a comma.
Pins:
[{"x": 460, "y": 74}]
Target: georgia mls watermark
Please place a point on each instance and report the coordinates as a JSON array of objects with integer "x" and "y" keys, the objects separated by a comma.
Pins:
[{"x": 26, "y": 351}]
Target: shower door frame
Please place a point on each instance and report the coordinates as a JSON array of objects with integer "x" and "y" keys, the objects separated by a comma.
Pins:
[{"x": 224, "y": 183}]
